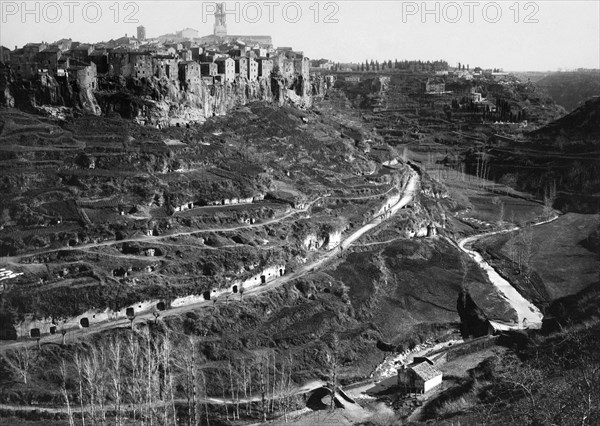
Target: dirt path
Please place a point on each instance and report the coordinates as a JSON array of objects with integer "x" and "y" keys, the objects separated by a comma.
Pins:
[
  {"x": 529, "y": 316},
  {"x": 15, "y": 260}
]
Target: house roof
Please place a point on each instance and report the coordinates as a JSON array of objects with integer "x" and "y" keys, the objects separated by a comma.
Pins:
[
  {"x": 426, "y": 371},
  {"x": 51, "y": 49}
]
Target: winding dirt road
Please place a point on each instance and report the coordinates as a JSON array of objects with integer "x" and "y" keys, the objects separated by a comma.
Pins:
[{"x": 529, "y": 316}]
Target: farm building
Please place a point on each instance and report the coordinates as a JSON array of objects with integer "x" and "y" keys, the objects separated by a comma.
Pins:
[{"x": 419, "y": 377}]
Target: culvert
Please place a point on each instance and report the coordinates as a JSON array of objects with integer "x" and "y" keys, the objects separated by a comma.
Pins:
[{"x": 84, "y": 322}]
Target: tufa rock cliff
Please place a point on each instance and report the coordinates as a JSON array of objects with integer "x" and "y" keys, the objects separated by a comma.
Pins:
[{"x": 153, "y": 101}]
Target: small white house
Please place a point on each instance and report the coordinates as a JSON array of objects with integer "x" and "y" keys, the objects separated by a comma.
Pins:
[{"x": 419, "y": 377}]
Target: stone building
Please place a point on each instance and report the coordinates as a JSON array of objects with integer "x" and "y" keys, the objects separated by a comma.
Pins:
[
  {"x": 100, "y": 58},
  {"x": 196, "y": 52},
  {"x": 48, "y": 58},
  {"x": 85, "y": 74},
  {"x": 81, "y": 52},
  {"x": 226, "y": 68},
  {"x": 241, "y": 66},
  {"x": 435, "y": 87},
  {"x": 189, "y": 72},
  {"x": 208, "y": 69},
  {"x": 252, "y": 69},
  {"x": 302, "y": 66},
  {"x": 265, "y": 67},
  {"x": 165, "y": 67},
  {"x": 130, "y": 63},
  {"x": 4, "y": 54},
  {"x": 141, "y": 33},
  {"x": 419, "y": 377}
]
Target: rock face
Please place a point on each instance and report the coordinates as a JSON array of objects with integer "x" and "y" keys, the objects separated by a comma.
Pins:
[
  {"x": 46, "y": 94},
  {"x": 157, "y": 102},
  {"x": 473, "y": 322}
]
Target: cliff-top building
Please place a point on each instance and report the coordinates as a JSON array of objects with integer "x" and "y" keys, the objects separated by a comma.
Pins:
[
  {"x": 220, "y": 32},
  {"x": 141, "y": 33}
]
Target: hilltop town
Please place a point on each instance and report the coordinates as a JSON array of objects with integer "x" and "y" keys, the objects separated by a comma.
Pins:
[{"x": 193, "y": 63}]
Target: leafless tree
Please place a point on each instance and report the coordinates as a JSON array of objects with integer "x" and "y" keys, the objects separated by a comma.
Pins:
[
  {"x": 20, "y": 361},
  {"x": 64, "y": 392},
  {"x": 133, "y": 353},
  {"x": 521, "y": 378},
  {"x": 549, "y": 199},
  {"x": 90, "y": 372},
  {"x": 168, "y": 361},
  {"x": 115, "y": 351},
  {"x": 331, "y": 356},
  {"x": 526, "y": 248},
  {"x": 78, "y": 361}
]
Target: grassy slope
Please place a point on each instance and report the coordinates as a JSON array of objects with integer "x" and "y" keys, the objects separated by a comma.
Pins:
[{"x": 563, "y": 264}]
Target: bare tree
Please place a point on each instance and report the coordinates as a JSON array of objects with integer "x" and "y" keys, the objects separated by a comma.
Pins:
[
  {"x": 549, "y": 199},
  {"x": 115, "y": 351},
  {"x": 20, "y": 361},
  {"x": 520, "y": 378},
  {"x": 287, "y": 386},
  {"x": 331, "y": 362},
  {"x": 526, "y": 248},
  {"x": 263, "y": 374},
  {"x": 64, "y": 392},
  {"x": 133, "y": 353},
  {"x": 90, "y": 372},
  {"x": 168, "y": 365},
  {"x": 78, "y": 361}
]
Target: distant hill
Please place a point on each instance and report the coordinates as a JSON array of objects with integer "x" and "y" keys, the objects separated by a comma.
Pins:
[
  {"x": 560, "y": 159},
  {"x": 570, "y": 89},
  {"x": 581, "y": 126}
]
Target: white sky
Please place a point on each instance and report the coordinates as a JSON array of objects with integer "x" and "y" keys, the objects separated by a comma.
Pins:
[{"x": 567, "y": 34}]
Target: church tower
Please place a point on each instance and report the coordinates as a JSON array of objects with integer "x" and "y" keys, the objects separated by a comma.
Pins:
[{"x": 220, "y": 25}]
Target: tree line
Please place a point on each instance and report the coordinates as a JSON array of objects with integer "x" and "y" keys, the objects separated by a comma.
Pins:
[{"x": 157, "y": 376}]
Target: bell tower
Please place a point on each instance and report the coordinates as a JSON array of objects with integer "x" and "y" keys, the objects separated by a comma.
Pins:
[{"x": 220, "y": 29}]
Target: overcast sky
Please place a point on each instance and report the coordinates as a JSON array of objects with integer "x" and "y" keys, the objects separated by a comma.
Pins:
[{"x": 514, "y": 35}]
